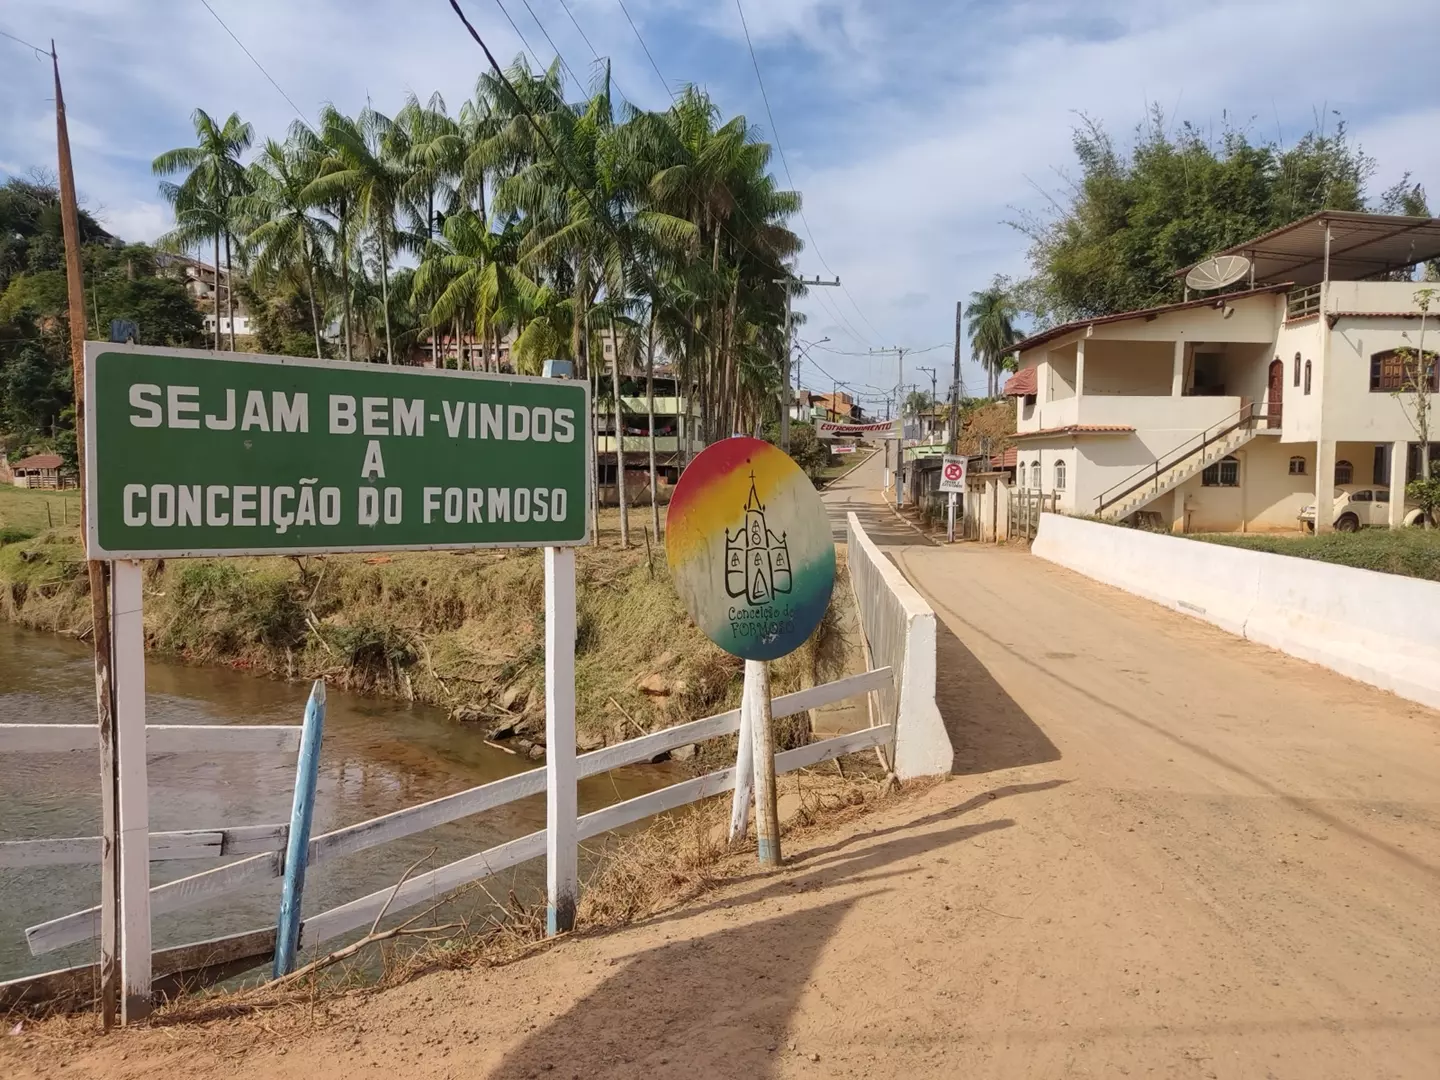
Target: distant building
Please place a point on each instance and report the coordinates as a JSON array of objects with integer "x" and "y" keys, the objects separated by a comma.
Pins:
[{"x": 41, "y": 471}]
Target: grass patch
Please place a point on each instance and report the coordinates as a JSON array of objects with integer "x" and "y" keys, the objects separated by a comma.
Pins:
[
  {"x": 1407, "y": 552},
  {"x": 33, "y": 512}
]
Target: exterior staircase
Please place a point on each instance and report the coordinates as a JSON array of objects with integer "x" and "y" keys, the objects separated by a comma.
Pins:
[{"x": 1172, "y": 469}]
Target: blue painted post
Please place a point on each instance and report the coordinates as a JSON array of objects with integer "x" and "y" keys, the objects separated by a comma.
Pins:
[{"x": 297, "y": 848}]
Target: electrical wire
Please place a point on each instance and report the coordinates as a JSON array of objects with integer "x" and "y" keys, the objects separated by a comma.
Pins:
[
  {"x": 774, "y": 130},
  {"x": 258, "y": 65},
  {"x": 654, "y": 65},
  {"x": 533, "y": 54},
  {"x": 556, "y": 48},
  {"x": 40, "y": 53}
]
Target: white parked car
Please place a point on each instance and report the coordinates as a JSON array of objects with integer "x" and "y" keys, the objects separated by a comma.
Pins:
[{"x": 1359, "y": 506}]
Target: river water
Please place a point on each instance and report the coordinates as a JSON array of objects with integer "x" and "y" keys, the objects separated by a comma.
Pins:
[{"x": 377, "y": 756}]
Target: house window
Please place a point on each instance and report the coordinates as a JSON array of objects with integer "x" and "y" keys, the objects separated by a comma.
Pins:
[
  {"x": 1344, "y": 472},
  {"x": 1035, "y": 476},
  {"x": 1307, "y": 376},
  {"x": 1224, "y": 473},
  {"x": 1297, "y": 369},
  {"x": 1297, "y": 466},
  {"x": 1380, "y": 468},
  {"x": 1059, "y": 476},
  {"x": 1393, "y": 371}
]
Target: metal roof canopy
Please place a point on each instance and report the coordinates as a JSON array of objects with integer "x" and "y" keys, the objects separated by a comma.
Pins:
[{"x": 1361, "y": 246}]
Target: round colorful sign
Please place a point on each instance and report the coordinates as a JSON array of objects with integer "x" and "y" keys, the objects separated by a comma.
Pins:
[{"x": 750, "y": 550}]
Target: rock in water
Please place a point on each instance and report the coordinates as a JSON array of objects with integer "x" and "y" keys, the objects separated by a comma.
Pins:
[{"x": 469, "y": 713}]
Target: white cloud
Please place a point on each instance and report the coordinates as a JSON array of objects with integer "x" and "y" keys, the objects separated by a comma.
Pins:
[{"x": 136, "y": 221}]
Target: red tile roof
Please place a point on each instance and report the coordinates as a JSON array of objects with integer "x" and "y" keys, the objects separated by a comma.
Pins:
[
  {"x": 1021, "y": 383},
  {"x": 1077, "y": 429},
  {"x": 40, "y": 461}
]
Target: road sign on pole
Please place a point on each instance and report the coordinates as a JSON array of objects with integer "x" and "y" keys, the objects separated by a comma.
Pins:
[
  {"x": 753, "y": 560},
  {"x": 952, "y": 474},
  {"x": 193, "y": 454}
]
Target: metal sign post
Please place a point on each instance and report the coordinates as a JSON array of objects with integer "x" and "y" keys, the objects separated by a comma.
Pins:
[{"x": 952, "y": 482}]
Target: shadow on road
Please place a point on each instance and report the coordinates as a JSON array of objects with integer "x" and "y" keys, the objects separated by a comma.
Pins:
[
  {"x": 987, "y": 727},
  {"x": 720, "y": 1004}
]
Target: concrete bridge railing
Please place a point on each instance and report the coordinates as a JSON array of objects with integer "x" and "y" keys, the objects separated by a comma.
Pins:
[{"x": 900, "y": 633}]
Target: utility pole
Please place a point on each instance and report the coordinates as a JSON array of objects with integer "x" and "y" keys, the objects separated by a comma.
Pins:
[
  {"x": 790, "y": 284},
  {"x": 899, "y": 351},
  {"x": 933, "y": 402},
  {"x": 955, "y": 389}
]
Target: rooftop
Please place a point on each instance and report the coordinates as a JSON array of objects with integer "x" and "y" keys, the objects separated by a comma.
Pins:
[
  {"x": 1361, "y": 246},
  {"x": 1077, "y": 429},
  {"x": 39, "y": 461}
]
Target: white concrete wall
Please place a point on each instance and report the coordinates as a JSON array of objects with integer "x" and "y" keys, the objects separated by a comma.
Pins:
[
  {"x": 899, "y": 627},
  {"x": 1352, "y": 411},
  {"x": 1384, "y": 297},
  {"x": 1268, "y": 498},
  {"x": 1381, "y": 629}
]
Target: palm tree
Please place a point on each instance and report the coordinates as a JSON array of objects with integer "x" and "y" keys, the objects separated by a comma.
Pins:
[
  {"x": 992, "y": 328},
  {"x": 365, "y": 172},
  {"x": 215, "y": 178},
  {"x": 282, "y": 232}
]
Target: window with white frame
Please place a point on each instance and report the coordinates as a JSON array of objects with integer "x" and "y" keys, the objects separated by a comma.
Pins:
[
  {"x": 1035, "y": 476},
  {"x": 1059, "y": 476},
  {"x": 1297, "y": 466}
]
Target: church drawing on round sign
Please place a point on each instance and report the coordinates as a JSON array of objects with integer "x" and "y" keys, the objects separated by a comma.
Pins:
[{"x": 757, "y": 562}]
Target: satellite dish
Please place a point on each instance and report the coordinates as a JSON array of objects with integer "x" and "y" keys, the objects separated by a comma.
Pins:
[{"x": 1218, "y": 272}]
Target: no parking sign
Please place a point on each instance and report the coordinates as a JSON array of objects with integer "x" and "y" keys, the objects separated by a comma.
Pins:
[{"x": 952, "y": 474}]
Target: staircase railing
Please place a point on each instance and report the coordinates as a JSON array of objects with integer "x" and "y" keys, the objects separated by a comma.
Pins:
[{"x": 1247, "y": 416}]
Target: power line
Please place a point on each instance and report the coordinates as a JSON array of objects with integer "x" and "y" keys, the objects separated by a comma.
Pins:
[
  {"x": 257, "y": 63},
  {"x": 775, "y": 130},
  {"x": 553, "y": 46},
  {"x": 583, "y": 35},
  {"x": 40, "y": 53},
  {"x": 533, "y": 54},
  {"x": 654, "y": 65}
]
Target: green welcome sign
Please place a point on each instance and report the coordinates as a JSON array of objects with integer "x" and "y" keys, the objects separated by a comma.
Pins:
[{"x": 195, "y": 453}]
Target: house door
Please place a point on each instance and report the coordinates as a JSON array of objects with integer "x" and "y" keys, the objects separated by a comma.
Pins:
[{"x": 1277, "y": 391}]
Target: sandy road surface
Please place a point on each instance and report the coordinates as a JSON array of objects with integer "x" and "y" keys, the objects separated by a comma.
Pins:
[{"x": 1167, "y": 852}]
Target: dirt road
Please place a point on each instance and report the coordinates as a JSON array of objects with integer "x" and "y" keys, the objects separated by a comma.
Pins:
[{"x": 1168, "y": 852}]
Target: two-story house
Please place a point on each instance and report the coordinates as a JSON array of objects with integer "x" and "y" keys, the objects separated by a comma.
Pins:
[{"x": 1234, "y": 410}]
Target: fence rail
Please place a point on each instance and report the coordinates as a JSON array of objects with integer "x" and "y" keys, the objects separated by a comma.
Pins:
[{"x": 197, "y": 888}]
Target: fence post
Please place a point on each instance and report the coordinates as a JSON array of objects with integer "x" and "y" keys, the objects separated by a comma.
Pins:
[
  {"x": 127, "y": 635},
  {"x": 297, "y": 846},
  {"x": 744, "y": 768},
  {"x": 767, "y": 810},
  {"x": 561, "y": 804}
]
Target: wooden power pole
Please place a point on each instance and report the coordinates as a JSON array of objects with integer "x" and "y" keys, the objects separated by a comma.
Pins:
[{"x": 96, "y": 570}]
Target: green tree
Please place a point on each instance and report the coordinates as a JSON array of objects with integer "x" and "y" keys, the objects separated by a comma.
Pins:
[
  {"x": 991, "y": 320},
  {"x": 1135, "y": 217},
  {"x": 205, "y": 201}
]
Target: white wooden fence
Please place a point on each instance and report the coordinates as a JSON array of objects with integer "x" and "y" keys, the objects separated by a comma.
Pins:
[{"x": 268, "y": 841}]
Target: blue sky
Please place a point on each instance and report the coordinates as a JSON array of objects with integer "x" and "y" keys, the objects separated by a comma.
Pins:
[{"x": 914, "y": 128}]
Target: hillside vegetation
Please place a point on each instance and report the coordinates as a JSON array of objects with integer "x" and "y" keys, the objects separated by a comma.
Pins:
[{"x": 460, "y": 630}]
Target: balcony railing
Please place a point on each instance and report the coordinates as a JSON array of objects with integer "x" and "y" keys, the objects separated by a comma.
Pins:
[{"x": 1302, "y": 303}]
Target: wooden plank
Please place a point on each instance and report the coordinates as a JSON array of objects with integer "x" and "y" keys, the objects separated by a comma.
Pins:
[
  {"x": 297, "y": 847},
  {"x": 159, "y": 738},
  {"x": 421, "y": 888},
  {"x": 744, "y": 763},
  {"x": 767, "y": 811},
  {"x": 182, "y": 844},
  {"x": 223, "y": 738},
  {"x": 198, "y": 964},
  {"x": 48, "y": 738},
  {"x": 562, "y": 851},
  {"x": 648, "y": 747},
  {"x": 172, "y": 896},
  {"x": 128, "y": 636},
  {"x": 434, "y": 884}
]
